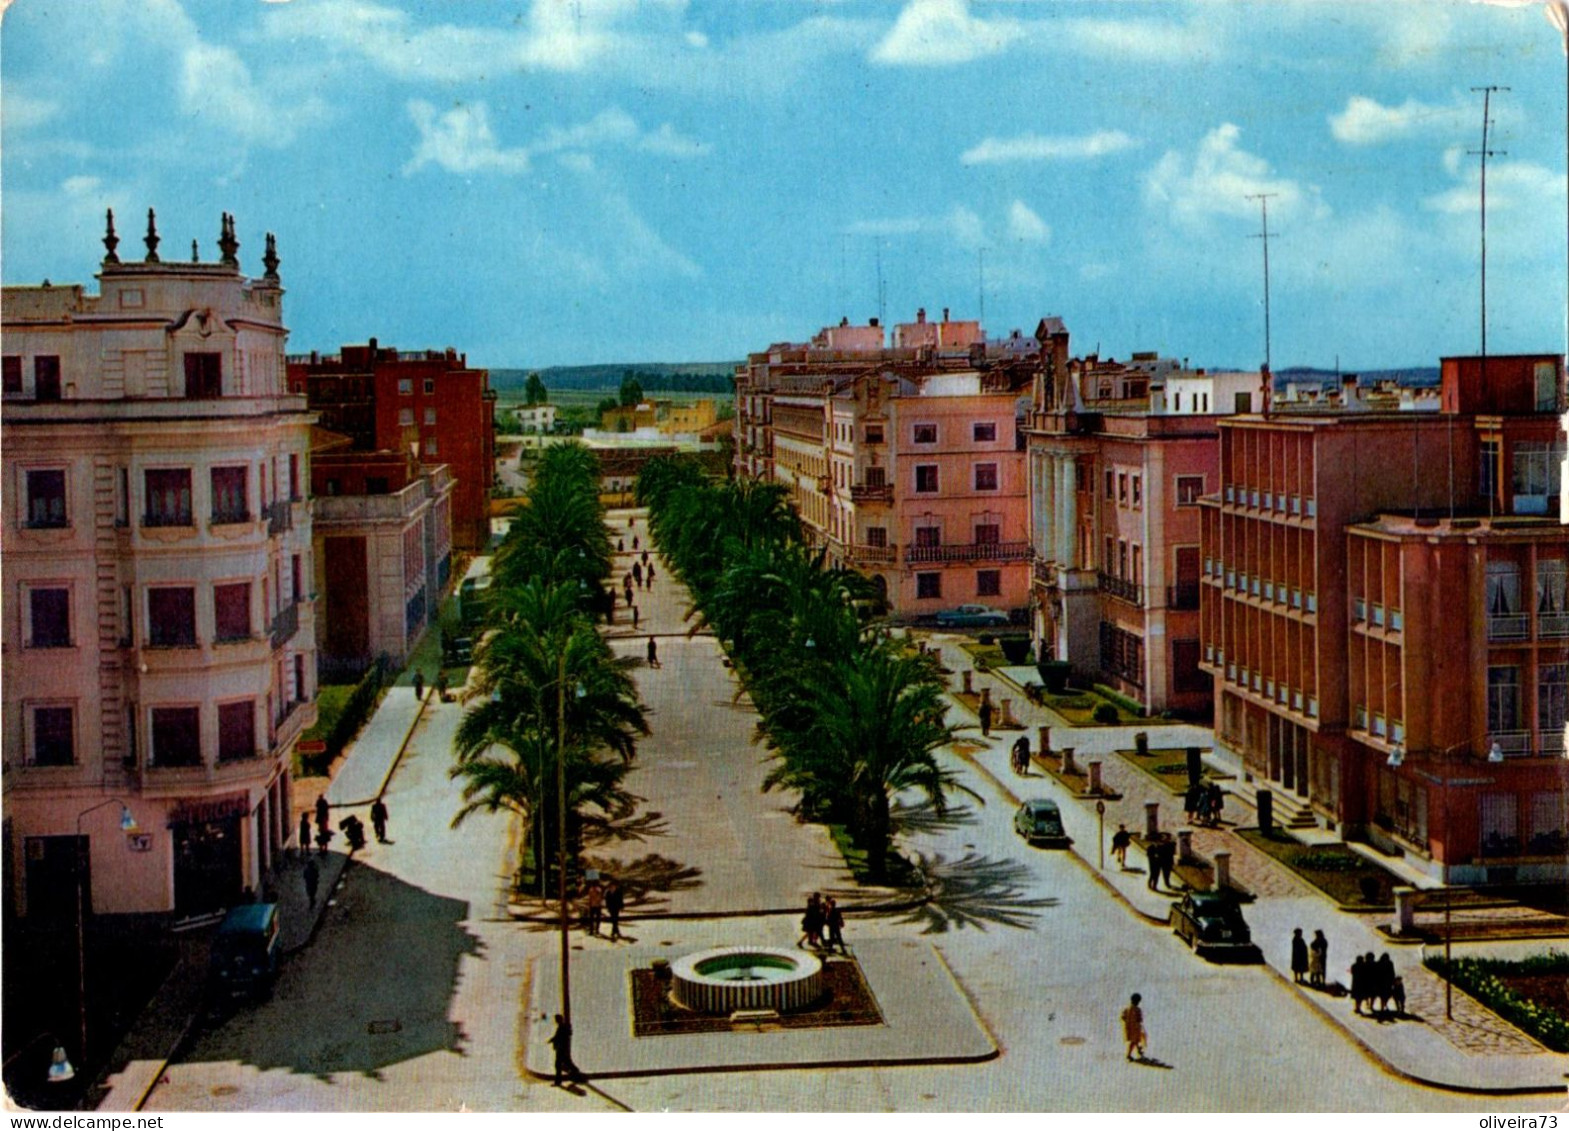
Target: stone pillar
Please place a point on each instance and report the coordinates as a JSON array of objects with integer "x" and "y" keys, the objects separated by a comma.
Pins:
[
  {"x": 1067, "y": 761},
  {"x": 1222, "y": 870},
  {"x": 1007, "y": 714},
  {"x": 1266, "y": 812},
  {"x": 1151, "y": 818},
  {"x": 1094, "y": 769},
  {"x": 969, "y": 677},
  {"x": 1184, "y": 844},
  {"x": 1045, "y": 733},
  {"x": 1070, "y": 512},
  {"x": 986, "y": 696},
  {"x": 1405, "y": 910}
]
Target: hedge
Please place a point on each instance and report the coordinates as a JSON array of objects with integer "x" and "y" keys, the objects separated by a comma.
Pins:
[
  {"x": 1479, "y": 977},
  {"x": 361, "y": 702}
]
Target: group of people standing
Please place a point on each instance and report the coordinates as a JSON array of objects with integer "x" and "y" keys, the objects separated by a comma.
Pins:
[
  {"x": 601, "y": 901},
  {"x": 1372, "y": 979},
  {"x": 1309, "y": 960},
  {"x": 1203, "y": 803},
  {"x": 822, "y": 926}
]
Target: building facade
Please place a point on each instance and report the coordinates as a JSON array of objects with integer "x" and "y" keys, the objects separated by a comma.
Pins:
[
  {"x": 903, "y": 462},
  {"x": 159, "y": 625},
  {"x": 1380, "y": 612},
  {"x": 425, "y": 401},
  {"x": 1120, "y": 454}
]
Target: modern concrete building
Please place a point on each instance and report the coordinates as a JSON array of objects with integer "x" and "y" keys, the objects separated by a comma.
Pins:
[
  {"x": 905, "y": 462},
  {"x": 1120, "y": 454},
  {"x": 1383, "y": 614},
  {"x": 159, "y": 625},
  {"x": 425, "y": 401}
]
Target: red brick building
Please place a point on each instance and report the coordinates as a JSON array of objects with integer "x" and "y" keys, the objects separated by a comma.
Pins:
[
  {"x": 1383, "y": 612},
  {"x": 388, "y": 399}
]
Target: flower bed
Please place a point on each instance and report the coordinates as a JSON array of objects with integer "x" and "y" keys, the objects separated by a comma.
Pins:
[
  {"x": 846, "y": 1001},
  {"x": 1532, "y": 993},
  {"x": 1352, "y": 881}
]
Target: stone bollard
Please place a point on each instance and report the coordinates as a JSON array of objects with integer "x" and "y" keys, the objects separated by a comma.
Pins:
[
  {"x": 986, "y": 696},
  {"x": 1045, "y": 733},
  {"x": 1222, "y": 870},
  {"x": 1184, "y": 844},
  {"x": 1067, "y": 761},
  {"x": 1266, "y": 811},
  {"x": 1405, "y": 910},
  {"x": 969, "y": 677},
  {"x": 1094, "y": 769},
  {"x": 1007, "y": 714},
  {"x": 1151, "y": 819}
]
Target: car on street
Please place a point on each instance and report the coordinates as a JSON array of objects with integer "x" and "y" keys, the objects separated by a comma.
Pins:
[
  {"x": 243, "y": 961},
  {"x": 972, "y": 616},
  {"x": 1211, "y": 923},
  {"x": 1039, "y": 821}
]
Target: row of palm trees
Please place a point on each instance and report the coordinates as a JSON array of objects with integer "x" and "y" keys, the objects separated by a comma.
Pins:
[
  {"x": 557, "y": 715},
  {"x": 851, "y": 716}
]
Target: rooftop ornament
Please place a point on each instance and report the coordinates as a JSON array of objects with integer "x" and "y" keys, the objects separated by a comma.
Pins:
[
  {"x": 111, "y": 241},
  {"x": 151, "y": 238},
  {"x": 270, "y": 260},
  {"x": 228, "y": 245}
]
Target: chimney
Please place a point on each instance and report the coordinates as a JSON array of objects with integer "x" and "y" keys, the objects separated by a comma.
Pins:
[
  {"x": 871, "y": 321},
  {"x": 945, "y": 314},
  {"x": 920, "y": 315},
  {"x": 373, "y": 349}
]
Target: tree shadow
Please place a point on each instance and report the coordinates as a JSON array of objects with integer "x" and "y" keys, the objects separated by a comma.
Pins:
[
  {"x": 647, "y": 880},
  {"x": 374, "y": 989},
  {"x": 973, "y": 891},
  {"x": 922, "y": 817},
  {"x": 622, "y": 826}
]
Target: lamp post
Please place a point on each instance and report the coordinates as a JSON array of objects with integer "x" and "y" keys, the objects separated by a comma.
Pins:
[{"x": 127, "y": 825}]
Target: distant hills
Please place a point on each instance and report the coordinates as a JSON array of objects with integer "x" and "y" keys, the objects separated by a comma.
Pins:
[
  {"x": 654, "y": 376},
  {"x": 1417, "y": 376}
]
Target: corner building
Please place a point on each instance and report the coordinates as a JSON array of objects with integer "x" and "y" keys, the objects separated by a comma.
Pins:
[{"x": 159, "y": 636}]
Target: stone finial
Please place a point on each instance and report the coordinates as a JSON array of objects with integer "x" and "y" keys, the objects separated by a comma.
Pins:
[
  {"x": 270, "y": 260},
  {"x": 228, "y": 245},
  {"x": 151, "y": 238},
  {"x": 196, "y": 255},
  {"x": 111, "y": 241}
]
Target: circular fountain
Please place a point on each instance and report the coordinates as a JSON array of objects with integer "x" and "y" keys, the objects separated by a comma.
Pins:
[{"x": 728, "y": 978}]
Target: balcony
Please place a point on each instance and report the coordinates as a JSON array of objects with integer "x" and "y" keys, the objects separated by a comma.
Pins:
[
  {"x": 1508, "y": 626},
  {"x": 285, "y": 625},
  {"x": 1183, "y": 595},
  {"x": 1122, "y": 589},
  {"x": 969, "y": 552},
  {"x": 1042, "y": 571},
  {"x": 857, "y": 554},
  {"x": 1552, "y": 625},
  {"x": 1514, "y": 743},
  {"x": 880, "y": 493},
  {"x": 280, "y": 517}
]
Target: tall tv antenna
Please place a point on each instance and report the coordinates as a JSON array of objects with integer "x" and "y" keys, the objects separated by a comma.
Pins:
[
  {"x": 1485, "y": 153},
  {"x": 882, "y": 288},
  {"x": 1263, "y": 199},
  {"x": 980, "y": 281}
]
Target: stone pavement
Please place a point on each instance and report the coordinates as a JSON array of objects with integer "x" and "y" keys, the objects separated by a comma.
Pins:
[{"x": 1475, "y": 1051}]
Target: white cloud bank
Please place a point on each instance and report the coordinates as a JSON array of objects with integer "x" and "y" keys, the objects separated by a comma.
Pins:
[
  {"x": 462, "y": 141},
  {"x": 1218, "y": 178},
  {"x": 1025, "y": 225},
  {"x": 943, "y": 33},
  {"x": 1365, "y": 121},
  {"x": 1034, "y": 147}
]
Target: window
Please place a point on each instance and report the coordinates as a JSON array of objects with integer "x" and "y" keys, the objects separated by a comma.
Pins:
[
  {"x": 1189, "y": 489},
  {"x": 874, "y": 433},
  {"x": 168, "y": 498},
  {"x": 1111, "y": 489},
  {"x": 1122, "y": 489},
  {"x": 1546, "y": 387},
  {"x": 377, "y": 485},
  {"x": 236, "y": 731},
  {"x": 926, "y": 477},
  {"x": 928, "y": 585},
  {"x": 405, "y": 416},
  {"x": 431, "y": 446},
  {"x": 1137, "y": 483},
  {"x": 177, "y": 736},
  {"x": 987, "y": 534},
  {"x": 1487, "y": 470},
  {"x": 1503, "y": 699},
  {"x": 1109, "y": 556},
  {"x": 926, "y": 433},
  {"x": 430, "y": 386},
  {"x": 228, "y": 495},
  {"x": 1122, "y": 559},
  {"x": 986, "y": 477},
  {"x": 232, "y": 611},
  {"x": 297, "y": 573},
  {"x": 45, "y": 499},
  {"x": 430, "y": 416},
  {"x": 50, "y": 614},
  {"x": 12, "y": 375},
  {"x": 294, "y": 476},
  {"x": 1138, "y": 565},
  {"x": 53, "y": 736},
  {"x": 171, "y": 617},
  {"x": 1552, "y": 702},
  {"x": 46, "y": 378},
  {"x": 1536, "y": 476},
  {"x": 988, "y": 582},
  {"x": 203, "y": 375},
  {"x": 299, "y": 679},
  {"x": 1121, "y": 653},
  {"x": 877, "y": 536},
  {"x": 927, "y": 536},
  {"x": 983, "y": 433},
  {"x": 875, "y": 477},
  {"x": 405, "y": 386}
]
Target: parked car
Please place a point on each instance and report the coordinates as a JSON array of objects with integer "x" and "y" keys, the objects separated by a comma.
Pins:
[
  {"x": 972, "y": 616},
  {"x": 244, "y": 957},
  {"x": 1039, "y": 821},
  {"x": 457, "y": 652},
  {"x": 1211, "y": 923}
]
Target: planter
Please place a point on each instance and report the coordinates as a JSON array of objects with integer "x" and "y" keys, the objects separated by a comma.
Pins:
[
  {"x": 1054, "y": 675},
  {"x": 1016, "y": 649}
]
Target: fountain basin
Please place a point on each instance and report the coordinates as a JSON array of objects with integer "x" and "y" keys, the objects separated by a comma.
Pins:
[{"x": 727, "y": 978}]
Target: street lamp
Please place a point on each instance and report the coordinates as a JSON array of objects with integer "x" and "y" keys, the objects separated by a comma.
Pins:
[{"x": 60, "y": 1066}]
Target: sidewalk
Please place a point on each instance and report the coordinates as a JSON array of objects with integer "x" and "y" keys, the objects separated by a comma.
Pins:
[{"x": 1477, "y": 1051}]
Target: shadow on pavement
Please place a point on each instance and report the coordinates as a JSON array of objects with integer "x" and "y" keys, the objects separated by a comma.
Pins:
[
  {"x": 649, "y": 879},
  {"x": 924, "y": 818},
  {"x": 973, "y": 891},
  {"x": 374, "y": 989}
]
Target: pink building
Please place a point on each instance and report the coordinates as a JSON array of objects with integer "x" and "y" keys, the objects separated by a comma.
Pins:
[
  {"x": 904, "y": 462},
  {"x": 159, "y": 625}
]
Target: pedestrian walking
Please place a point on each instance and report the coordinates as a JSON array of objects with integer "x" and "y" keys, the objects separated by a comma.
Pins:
[
  {"x": 621, "y": 545},
  {"x": 637, "y": 573},
  {"x": 1166, "y": 860},
  {"x": 833, "y": 919},
  {"x": 593, "y": 907},
  {"x": 615, "y": 900},
  {"x": 561, "y": 1041},
  {"x": 1383, "y": 981},
  {"x": 986, "y": 718},
  {"x": 1133, "y": 1028},
  {"x": 1398, "y": 992},
  {"x": 626, "y": 584},
  {"x": 419, "y": 685},
  {"x": 645, "y": 557},
  {"x": 634, "y": 616},
  {"x": 634, "y": 541},
  {"x": 1192, "y": 802},
  {"x": 1021, "y": 755},
  {"x": 650, "y": 575},
  {"x": 653, "y": 654},
  {"x": 1299, "y": 956},
  {"x": 812, "y": 922},
  {"x": 1119, "y": 846},
  {"x": 312, "y": 881},
  {"x": 1214, "y": 804},
  {"x": 321, "y": 811},
  {"x": 1318, "y": 959},
  {"x": 1359, "y": 980},
  {"x": 305, "y": 834},
  {"x": 378, "y": 819}
]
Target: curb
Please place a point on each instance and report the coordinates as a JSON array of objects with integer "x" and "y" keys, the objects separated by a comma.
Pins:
[
  {"x": 690, "y": 916},
  {"x": 396, "y": 759}
]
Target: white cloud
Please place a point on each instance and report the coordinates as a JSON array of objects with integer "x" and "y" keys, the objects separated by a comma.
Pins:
[
  {"x": 460, "y": 141},
  {"x": 1034, "y": 147},
  {"x": 24, "y": 112},
  {"x": 1025, "y": 225},
  {"x": 638, "y": 246},
  {"x": 966, "y": 227},
  {"x": 943, "y": 32},
  {"x": 1217, "y": 179},
  {"x": 1366, "y": 121},
  {"x": 667, "y": 142},
  {"x": 960, "y": 225},
  {"x": 1509, "y": 185},
  {"x": 1144, "y": 41},
  {"x": 216, "y": 87},
  {"x": 697, "y": 39}
]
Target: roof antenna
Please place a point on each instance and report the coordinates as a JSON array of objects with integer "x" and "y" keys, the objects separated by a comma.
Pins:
[
  {"x": 980, "y": 271},
  {"x": 882, "y": 288},
  {"x": 1485, "y": 153},
  {"x": 1263, "y": 199}
]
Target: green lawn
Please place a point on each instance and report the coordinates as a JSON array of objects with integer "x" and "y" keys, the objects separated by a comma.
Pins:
[
  {"x": 900, "y": 873},
  {"x": 1351, "y": 880},
  {"x": 1169, "y": 766}
]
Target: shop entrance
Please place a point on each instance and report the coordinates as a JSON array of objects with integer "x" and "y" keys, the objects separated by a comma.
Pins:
[{"x": 206, "y": 864}]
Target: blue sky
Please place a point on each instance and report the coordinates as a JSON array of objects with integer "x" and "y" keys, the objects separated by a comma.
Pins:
[{"x": 568, "y": 181}]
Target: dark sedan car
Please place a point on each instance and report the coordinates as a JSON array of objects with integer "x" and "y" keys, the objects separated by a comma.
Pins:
[
  {"x": 1211, "y": 922},
  {"x": 1039, "y": 821}
]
